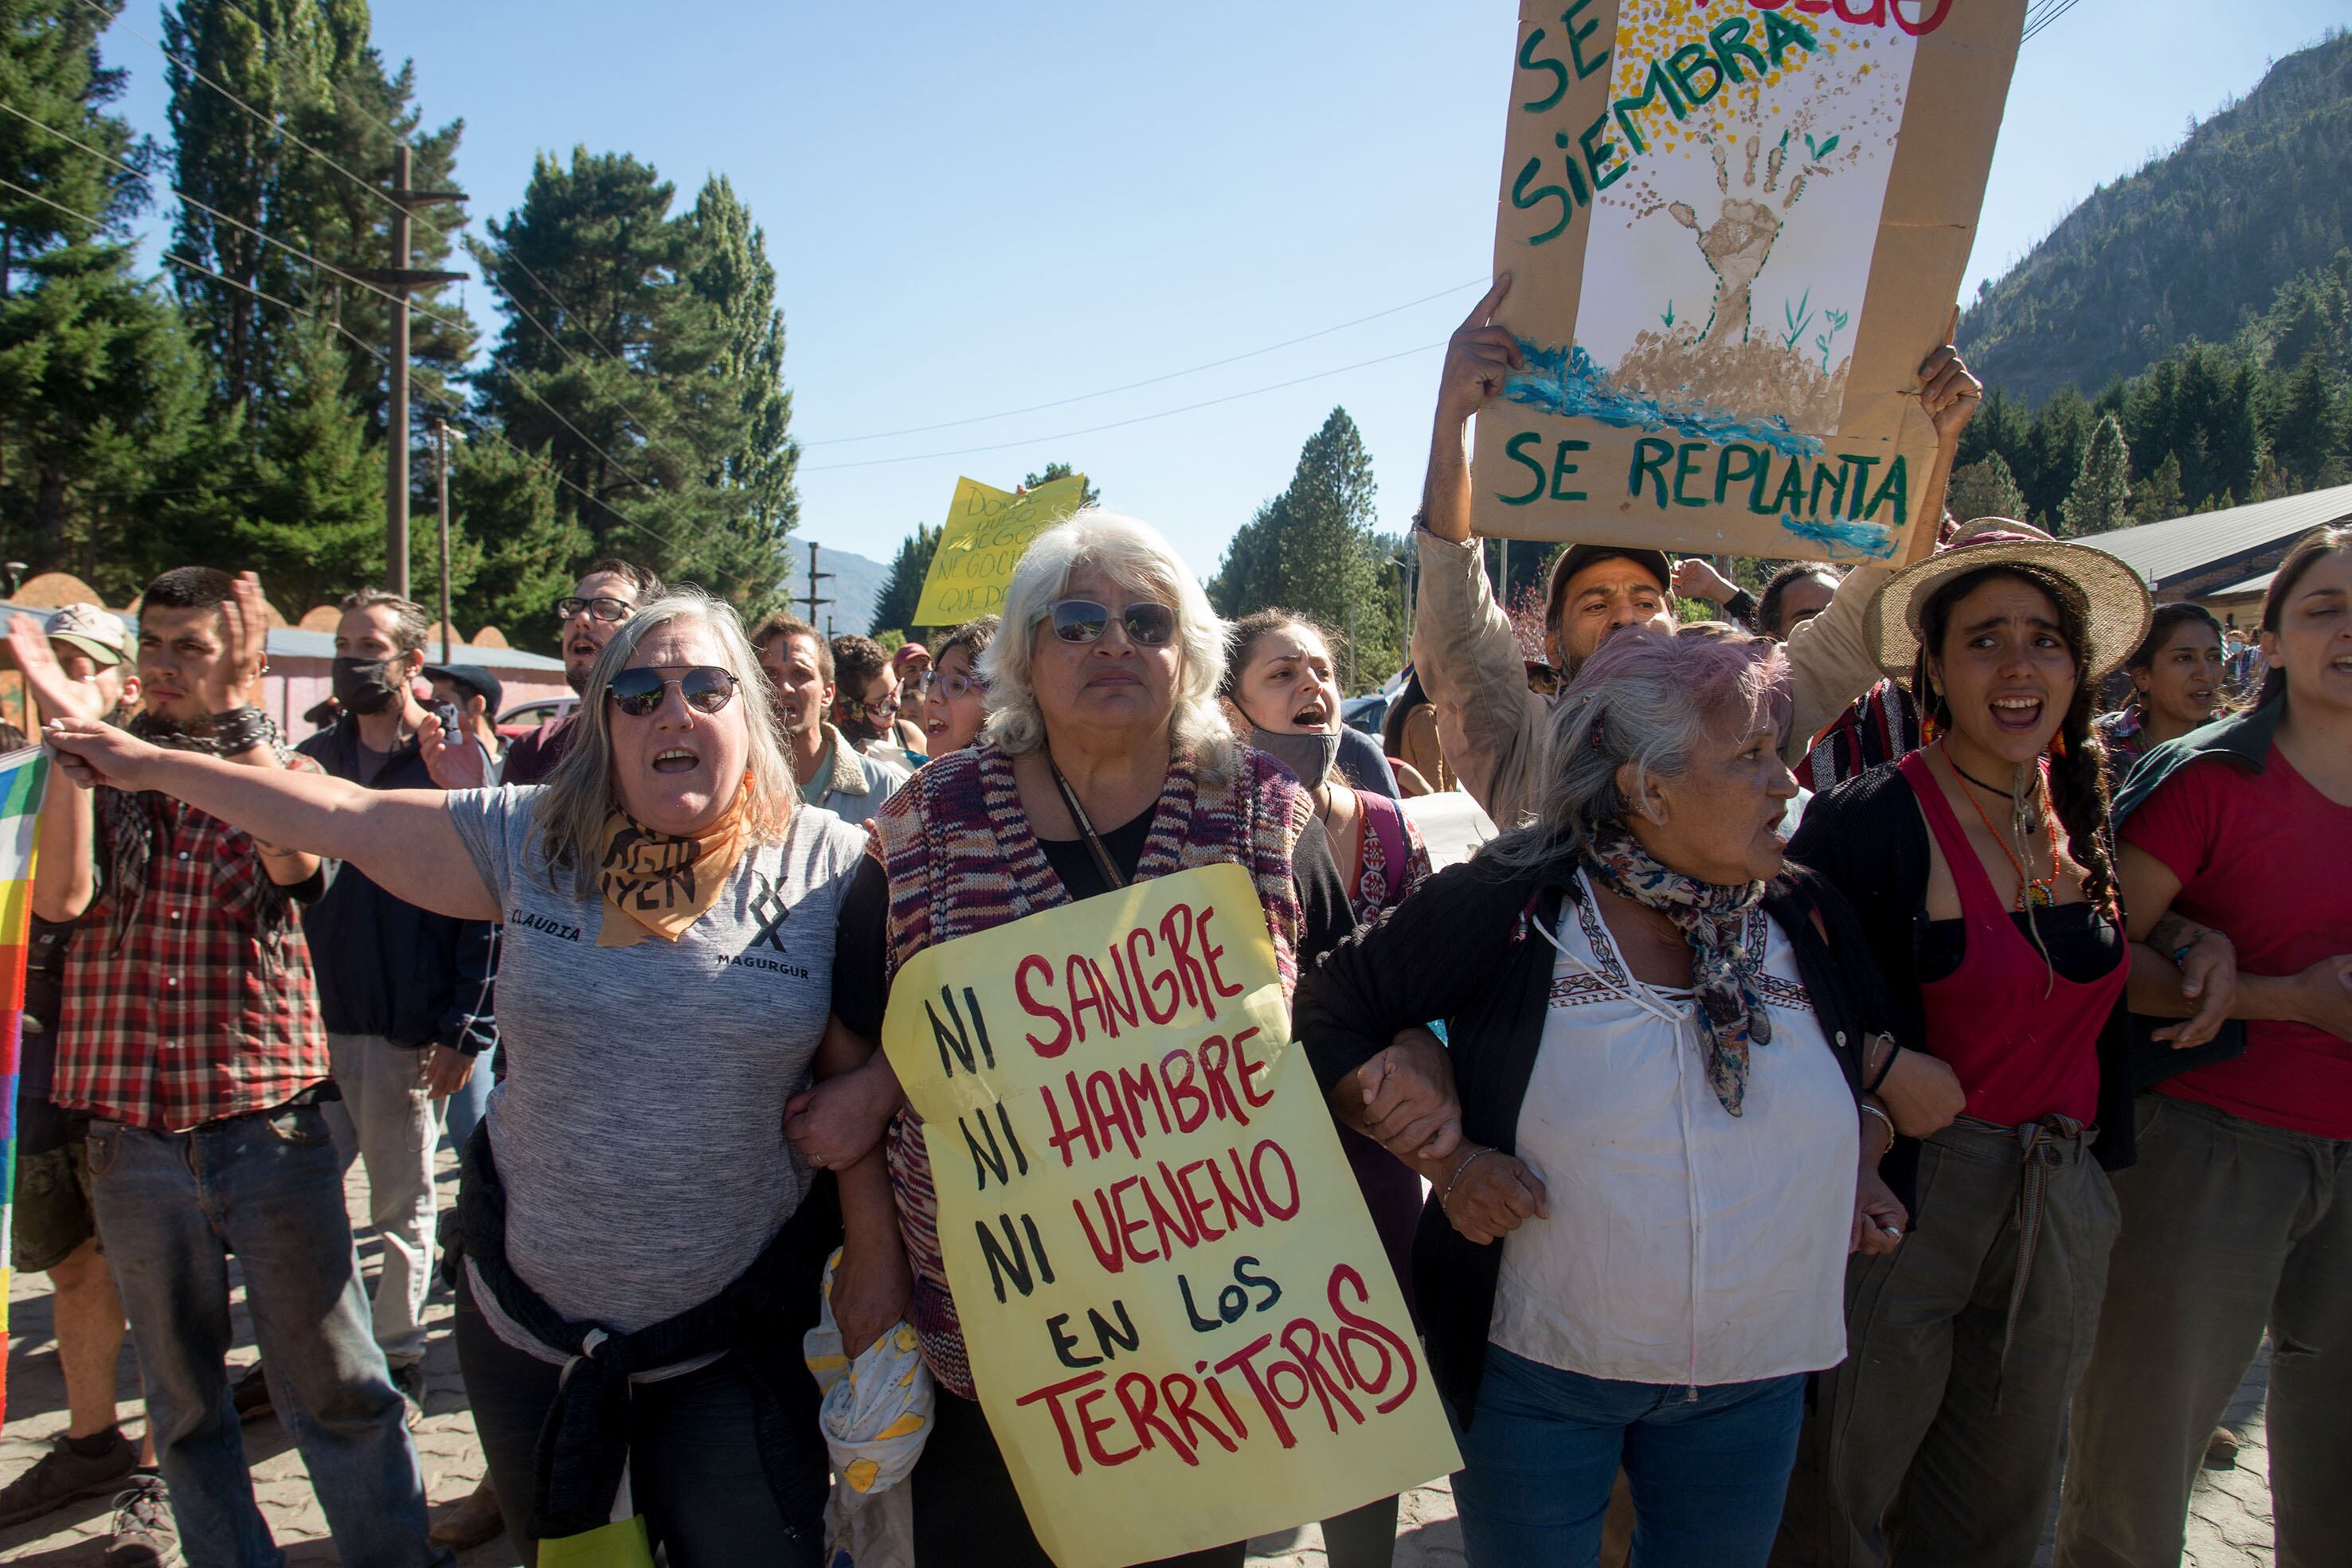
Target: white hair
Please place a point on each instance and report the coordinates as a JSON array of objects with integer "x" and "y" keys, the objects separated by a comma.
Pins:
[{"x": 1133, "y": 555}]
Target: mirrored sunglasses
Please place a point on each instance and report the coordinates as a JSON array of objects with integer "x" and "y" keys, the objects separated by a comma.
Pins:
[
  {"x": 1147, "y": 626},
  {"x": 638, "y": 693}
]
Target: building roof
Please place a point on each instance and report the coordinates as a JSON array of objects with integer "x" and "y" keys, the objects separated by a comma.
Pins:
[
  {"x": 2183, "y": 546},
  {"x": 293, "y": 643},
  {"x": 2258, "y": 583}
]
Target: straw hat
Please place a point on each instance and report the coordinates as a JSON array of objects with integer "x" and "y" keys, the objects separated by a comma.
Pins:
[{"x": 2108, "y": 595}]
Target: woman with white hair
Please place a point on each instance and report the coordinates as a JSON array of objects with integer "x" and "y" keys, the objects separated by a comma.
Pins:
[
  {"x": 1106, "y": 762},
  {"x": 642, "y": 1247},
  {"x": 1660, "y": 1034}
]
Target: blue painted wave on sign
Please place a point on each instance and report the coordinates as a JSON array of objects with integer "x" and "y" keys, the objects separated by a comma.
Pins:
[{"x": 1567, "y": 382}]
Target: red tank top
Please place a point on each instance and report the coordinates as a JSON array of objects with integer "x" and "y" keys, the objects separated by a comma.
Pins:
[{"x": 2023, "y": 1039}]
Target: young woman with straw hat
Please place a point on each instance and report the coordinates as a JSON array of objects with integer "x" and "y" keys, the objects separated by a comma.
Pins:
[{"x": 1979, "y": 865}]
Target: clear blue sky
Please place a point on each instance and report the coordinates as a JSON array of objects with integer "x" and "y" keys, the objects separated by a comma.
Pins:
[{"x": 975, "y": 208}]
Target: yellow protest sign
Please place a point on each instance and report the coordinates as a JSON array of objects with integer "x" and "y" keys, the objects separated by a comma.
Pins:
[
  {"x": 981, "y": 541},
  {"x": 1180, "y": 1323}
]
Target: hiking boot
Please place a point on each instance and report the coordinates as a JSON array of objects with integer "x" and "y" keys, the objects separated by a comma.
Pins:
[
  {"x": 409, "y": 1378},
  {"x": 61, "y": 1475},
  {"x": 143, "y": 1535},
  {"x": 250, "y": 1396},
  {"x": 475, "y": 1520}
]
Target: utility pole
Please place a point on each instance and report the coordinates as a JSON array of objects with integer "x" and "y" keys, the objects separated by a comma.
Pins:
[
  {"x": 441, "y": 439},
  {"x": 812, "y": 599},
  {"x": 396, "y": 280}
]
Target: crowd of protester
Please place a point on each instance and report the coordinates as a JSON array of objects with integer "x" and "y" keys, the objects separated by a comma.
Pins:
[{"x": 1867, "y": 1078}]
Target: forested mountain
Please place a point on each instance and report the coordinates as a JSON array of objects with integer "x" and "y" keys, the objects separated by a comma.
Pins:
[{"x": 2191, "y": 246}]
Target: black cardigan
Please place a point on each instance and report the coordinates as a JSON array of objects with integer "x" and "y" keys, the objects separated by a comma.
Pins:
[
  {"x": 1867, "y": 838},
  {"x": 1460, "y": 949}
]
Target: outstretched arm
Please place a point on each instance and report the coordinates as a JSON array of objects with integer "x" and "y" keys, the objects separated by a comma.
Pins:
[{"x": 402, "y": 839}]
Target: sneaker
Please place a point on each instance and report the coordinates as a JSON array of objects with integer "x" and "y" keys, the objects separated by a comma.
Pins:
[
  {"x": 409, "y": 1378},
  {"x": 143, "y": 1535},
  {"x": 61, "y": 1475},
  {"x": 251, "y": 1396}
]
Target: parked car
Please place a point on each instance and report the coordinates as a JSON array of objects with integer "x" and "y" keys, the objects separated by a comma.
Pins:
[
  {"x": 523, "y": 718},
  {"x": 1365, "y": 712}
]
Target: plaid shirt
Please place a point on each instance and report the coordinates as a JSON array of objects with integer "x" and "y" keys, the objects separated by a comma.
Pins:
[{"x": 206, "y": 1008}]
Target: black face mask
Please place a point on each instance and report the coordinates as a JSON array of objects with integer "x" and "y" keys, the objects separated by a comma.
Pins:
[
  {"x": 366, "y": 686},
  {"x": 1308, "y": 755}
]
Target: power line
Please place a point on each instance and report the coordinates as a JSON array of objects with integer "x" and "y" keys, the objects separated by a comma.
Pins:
[
  {"x": 1149, "y": 380},
  {"x": 2051, "y": 13},
  {"x": 1122, "y": 424},
  {"x": 115, "y": 19},
  {"x": 234, "y": 221}
]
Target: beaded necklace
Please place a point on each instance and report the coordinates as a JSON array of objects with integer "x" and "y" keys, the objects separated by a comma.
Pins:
[{"x": 2040, "y": 892}]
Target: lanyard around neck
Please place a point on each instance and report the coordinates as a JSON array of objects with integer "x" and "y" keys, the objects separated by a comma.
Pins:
[{"x": 1103, "y": 863}]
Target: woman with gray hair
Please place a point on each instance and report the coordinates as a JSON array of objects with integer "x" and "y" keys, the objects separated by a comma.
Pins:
[
  {"x": 1106, "y": 762},
  {"x": 642, "y": 1247},
  {"x": 1658, "y": 1034}
]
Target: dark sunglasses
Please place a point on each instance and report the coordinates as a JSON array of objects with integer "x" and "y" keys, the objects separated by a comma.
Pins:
[
  {"x": 637, "y": 693},
  {"x": 1147, "y": 626},
  {"x": 601, "y": 609}
]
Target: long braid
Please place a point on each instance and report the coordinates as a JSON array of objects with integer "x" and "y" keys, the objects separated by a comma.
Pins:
[{"x": 2078, "y": 793}]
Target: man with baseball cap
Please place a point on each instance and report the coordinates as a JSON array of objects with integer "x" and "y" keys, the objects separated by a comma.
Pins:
[
  {"x": 477, "y": 695},
  {"x": 1489, "y": 723}
]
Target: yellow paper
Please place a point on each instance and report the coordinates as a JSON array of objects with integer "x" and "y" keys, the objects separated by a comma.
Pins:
[
  {"x": 1181, "y": 1324},
  {"x": 620, "y": 1544},
  {"x": 986, "y": 531}
]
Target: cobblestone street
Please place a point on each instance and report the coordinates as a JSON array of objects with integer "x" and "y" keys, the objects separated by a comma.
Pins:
[{"x": 2229, "y": 1526}]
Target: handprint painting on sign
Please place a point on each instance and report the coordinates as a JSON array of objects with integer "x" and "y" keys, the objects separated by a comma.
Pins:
[{"x": 1735, "y": 229}]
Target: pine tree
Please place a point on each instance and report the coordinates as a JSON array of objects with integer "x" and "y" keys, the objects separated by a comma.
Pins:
[
  {"x": 728, "y": 268},
  {"x": 104, "y": 450},
  {"x": 1087, "y": 497},
  {"x": 2309, "y": 434},
  {"x": 1985, "y": 489},
  {"x": 2100, "y": 500},
  {"x": 2158, "y": 497},
  {"x": 903, "y": 589},
  {"x": 639, "y": 388},
  {"x": 505, "y": 503},
  {"x": 1310, "y": 550},
  {"x": 311, "y": 519}
]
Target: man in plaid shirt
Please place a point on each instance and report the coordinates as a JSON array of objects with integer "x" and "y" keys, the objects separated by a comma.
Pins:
[{"x": 191, "y": 1035}]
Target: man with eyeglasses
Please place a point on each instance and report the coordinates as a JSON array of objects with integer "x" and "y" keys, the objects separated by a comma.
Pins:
[
  {"x": 830, "y": 772},
  {"x": 608, "y": 592}
]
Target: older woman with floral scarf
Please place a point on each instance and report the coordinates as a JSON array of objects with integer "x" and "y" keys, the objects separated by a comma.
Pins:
[{"x": 1657, "y": 1033}]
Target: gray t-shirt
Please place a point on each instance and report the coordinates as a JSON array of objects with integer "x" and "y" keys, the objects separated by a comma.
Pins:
[{"x": 639, "y": 1133}]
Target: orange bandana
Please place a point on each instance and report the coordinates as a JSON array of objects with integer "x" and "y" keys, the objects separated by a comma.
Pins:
[{"x": 657, "y": 885}]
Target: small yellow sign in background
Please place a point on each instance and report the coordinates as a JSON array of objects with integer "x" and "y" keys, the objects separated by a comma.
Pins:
[{"x": 982, "y": 540}]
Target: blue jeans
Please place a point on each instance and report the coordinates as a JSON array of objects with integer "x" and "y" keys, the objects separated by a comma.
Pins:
[
  {"x": 468, "y": 1105},
  {"x": 172, "y": 1207},
  {"x": 1541, "y": 1455}
]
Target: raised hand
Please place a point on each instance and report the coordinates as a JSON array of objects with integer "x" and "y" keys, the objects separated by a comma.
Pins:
[
  {"x": 59, "y": 694},
  {"x": 1951, "y": 393},
  {"x": 452, "y": 759},
  {"x": 1695, "y": 577},
  {"x": 233, "y": 681},
  {"x": 1479, "y": 358}
]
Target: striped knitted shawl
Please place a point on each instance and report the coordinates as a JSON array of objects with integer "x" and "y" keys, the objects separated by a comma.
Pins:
[{"x": 961, "y": 859}]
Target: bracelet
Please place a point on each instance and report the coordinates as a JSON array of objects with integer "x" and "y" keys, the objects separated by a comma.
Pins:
[
  {"x": 2202, "y": 932},
  {"x": 1454, "y": 1180},
  {"x": 241, "y": 730},
  {"x": 1872, "y": 1111},
  {"x": 1893, "y": 1051}
]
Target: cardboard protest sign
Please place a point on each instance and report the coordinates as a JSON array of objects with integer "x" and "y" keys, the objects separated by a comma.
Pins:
[
  {"x": 1179, "y": 1320},
  {"x": 981, "y": 541},
  {"x": 1735, "y": 229}
]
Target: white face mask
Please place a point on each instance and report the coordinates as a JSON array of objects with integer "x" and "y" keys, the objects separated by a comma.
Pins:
[{"x": 1308, "y": 755}]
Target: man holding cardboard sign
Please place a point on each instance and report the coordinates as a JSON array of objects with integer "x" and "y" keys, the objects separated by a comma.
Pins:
[{"x": 1489, "y": 723}]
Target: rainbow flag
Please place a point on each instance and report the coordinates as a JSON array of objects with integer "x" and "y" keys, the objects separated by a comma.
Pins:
[{"x": 23, "y": 775}]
